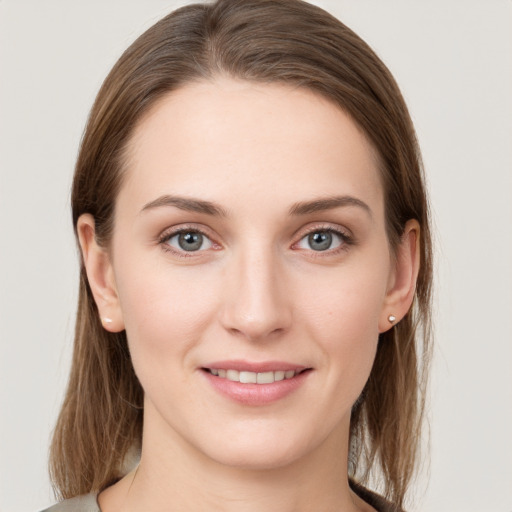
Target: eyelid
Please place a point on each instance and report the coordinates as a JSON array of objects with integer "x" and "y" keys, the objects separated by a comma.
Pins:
[
  {"x": 169, "y": 233},
  {"x": 344, "y": 233},
  {"x": 323, "y": 226}
]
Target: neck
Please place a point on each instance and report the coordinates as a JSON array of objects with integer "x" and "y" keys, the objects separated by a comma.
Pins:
[{"x": 174, "y": 476}]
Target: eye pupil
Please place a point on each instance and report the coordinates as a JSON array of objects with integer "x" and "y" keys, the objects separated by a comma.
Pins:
[
  {"x": 320, "y": 240},
  {"x": 190, "y": 241}
]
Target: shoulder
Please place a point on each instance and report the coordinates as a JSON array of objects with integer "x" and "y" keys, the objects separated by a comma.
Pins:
[{"x": 86, "y": 503}]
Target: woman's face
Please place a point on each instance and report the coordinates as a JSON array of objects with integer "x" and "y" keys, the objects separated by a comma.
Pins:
[{"x": 250, "y": 244}]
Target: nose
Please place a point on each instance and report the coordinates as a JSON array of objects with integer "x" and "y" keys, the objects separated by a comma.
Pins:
[{"x": 257, "y": 305}]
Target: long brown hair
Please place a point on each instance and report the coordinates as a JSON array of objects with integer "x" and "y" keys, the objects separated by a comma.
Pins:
[{"x": 286, "y": 41}]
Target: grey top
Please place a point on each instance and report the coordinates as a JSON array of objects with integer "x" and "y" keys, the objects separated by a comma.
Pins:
[
  {"x": 86, "y": 503},
  {"x": 89, "y": 502}
]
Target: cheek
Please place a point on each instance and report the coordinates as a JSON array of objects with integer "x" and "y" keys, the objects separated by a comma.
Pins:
[
  {"x": 164, "y": 310},
  {"x": 345, "y": 323},
  {"x": 348, "y": 302}
]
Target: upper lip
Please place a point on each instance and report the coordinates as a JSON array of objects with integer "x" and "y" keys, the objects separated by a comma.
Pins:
[{"x": 256, "y": 367}]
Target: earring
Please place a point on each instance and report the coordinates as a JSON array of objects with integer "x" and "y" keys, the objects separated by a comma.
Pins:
[
  {"x": 107, "y": 320},
  {"x": 391, "y": 318}
]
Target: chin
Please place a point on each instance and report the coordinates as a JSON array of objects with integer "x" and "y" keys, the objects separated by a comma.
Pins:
[
  {"x": 255, "y": 452},
  {"x": 257, "y": 460}
]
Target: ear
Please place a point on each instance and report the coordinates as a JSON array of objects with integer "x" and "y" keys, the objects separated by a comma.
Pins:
[
  {"x": 100, "y": 275},
  {"x": 402, "y": 281}
]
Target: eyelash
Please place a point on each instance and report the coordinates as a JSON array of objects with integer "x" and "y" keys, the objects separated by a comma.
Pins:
[
  {"x": 346, "y": 240},
  {"x": 167, "y": 235}
]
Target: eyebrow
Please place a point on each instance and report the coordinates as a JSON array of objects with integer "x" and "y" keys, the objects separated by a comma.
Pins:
[
  {"x": 328, "y": 203},
  {"x": 188, "y": 204},
  {"x": 301, "y": 208}
]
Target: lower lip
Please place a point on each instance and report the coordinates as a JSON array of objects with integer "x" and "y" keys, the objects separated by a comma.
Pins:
[{"x": 256, "y": 394}]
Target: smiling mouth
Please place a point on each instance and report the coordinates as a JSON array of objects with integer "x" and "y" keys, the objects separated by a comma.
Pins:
[{"x": 246, "y": 377}]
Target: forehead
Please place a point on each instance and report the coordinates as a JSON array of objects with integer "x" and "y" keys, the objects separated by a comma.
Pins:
[{"x": 219, "y": 137}]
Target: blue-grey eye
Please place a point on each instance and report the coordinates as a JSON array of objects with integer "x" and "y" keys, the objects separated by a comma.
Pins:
[
  {"x": 321, "y": 240},
  {"x": 189, "y": 241}
]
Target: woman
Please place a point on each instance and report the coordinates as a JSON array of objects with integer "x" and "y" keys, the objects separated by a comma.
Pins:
[{"x": 256, "y": 267}]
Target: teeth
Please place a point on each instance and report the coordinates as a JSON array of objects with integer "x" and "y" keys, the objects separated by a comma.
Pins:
[
  {"x": 279, "y": 375},
  {"x": 253, "y": 377},
  {"x": 265, "y": 378},
  {"x": 233, "y": 375}
]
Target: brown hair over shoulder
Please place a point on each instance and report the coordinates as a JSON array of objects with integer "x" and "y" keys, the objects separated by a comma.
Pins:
[{"x": 284, "y": 41}]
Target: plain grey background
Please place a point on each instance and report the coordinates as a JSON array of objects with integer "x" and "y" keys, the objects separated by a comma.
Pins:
[{"x": 453, "y": 61}]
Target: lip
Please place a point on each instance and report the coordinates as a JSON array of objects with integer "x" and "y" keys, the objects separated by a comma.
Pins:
[
  {"x": 255, "y": 394},
  {"x": 247, "y": 366}
]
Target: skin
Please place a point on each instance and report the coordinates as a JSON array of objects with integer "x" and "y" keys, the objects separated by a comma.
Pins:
[{"x": 257, "y": 290}]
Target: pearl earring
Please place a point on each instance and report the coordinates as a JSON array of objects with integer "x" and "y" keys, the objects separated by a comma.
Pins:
[
  {"x": 391, "y": 318},
  {"x": 107, "y": 320}
]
